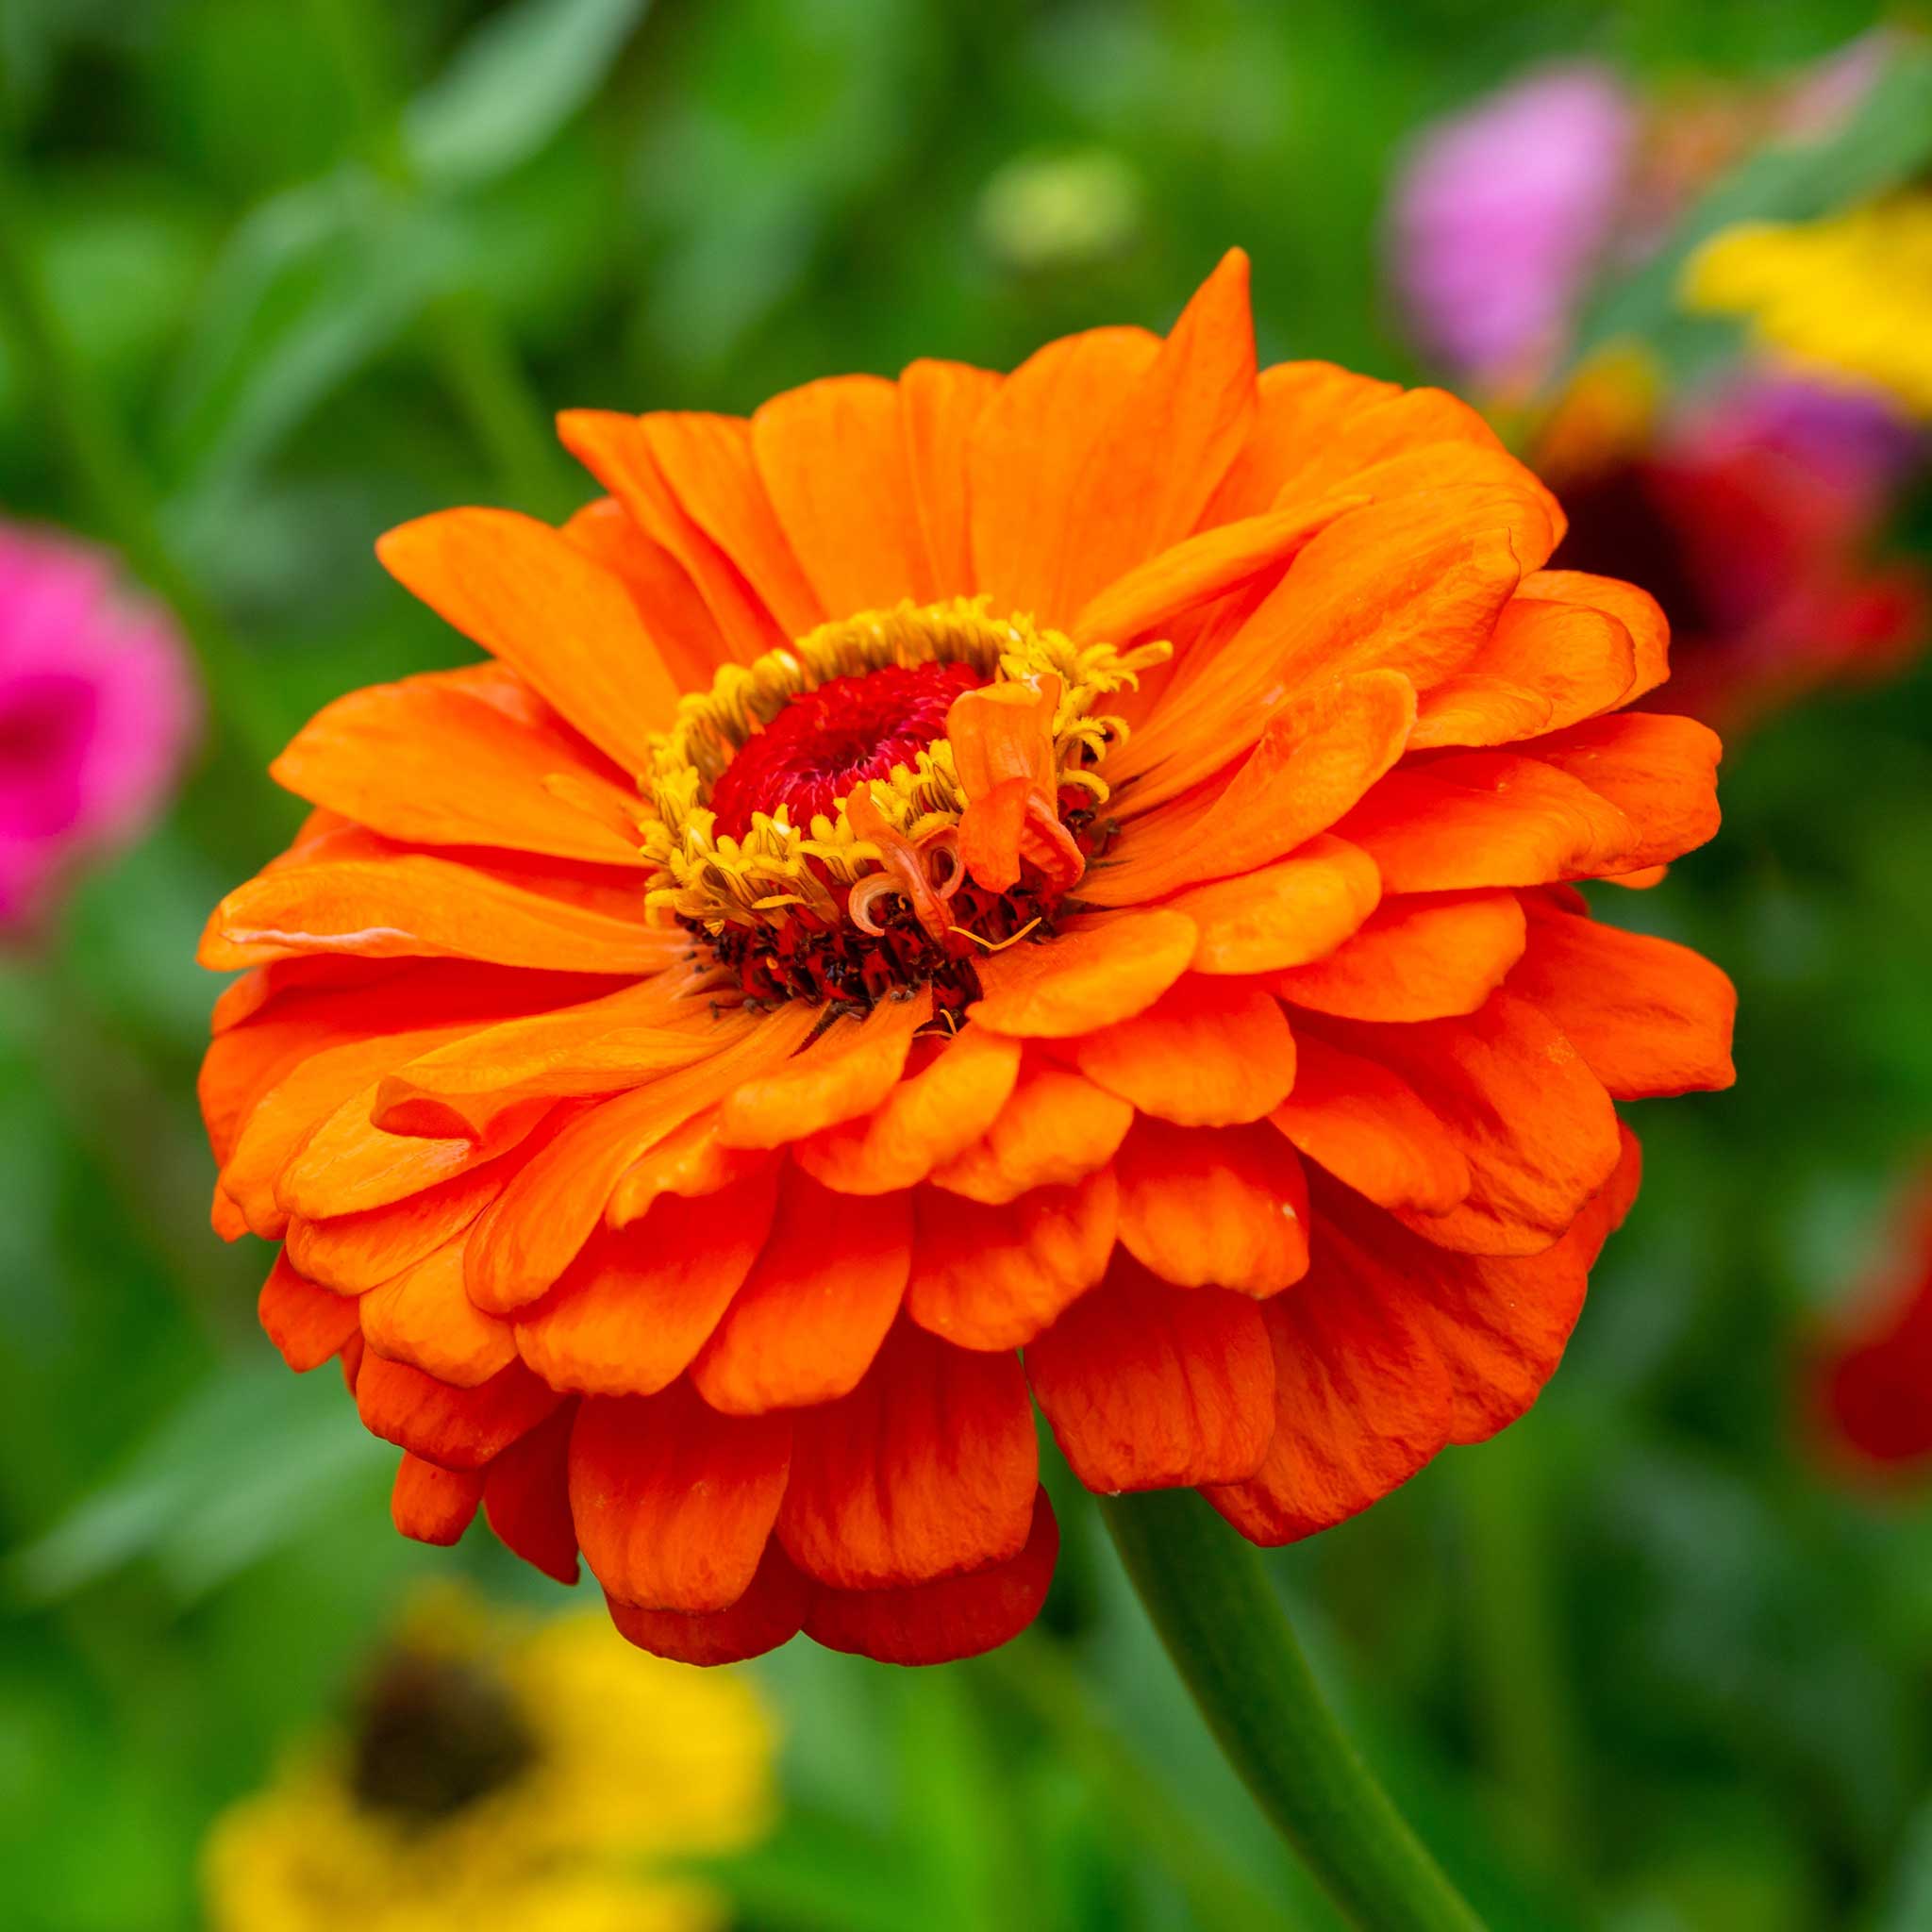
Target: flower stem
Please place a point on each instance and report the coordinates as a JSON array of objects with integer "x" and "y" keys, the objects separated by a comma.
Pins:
[
  {"x": 1212, "y": 1602},
  {"x": 1527, "y": 1714}
]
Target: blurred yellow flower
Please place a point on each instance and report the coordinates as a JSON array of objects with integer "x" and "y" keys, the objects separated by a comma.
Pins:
[
  {"x": 1851, "y": 295},
  {"x": 1044, "y": 212},
  {"x": 503, "y": 1773}
]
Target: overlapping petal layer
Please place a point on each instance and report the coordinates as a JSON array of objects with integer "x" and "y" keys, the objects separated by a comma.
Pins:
[{"x": 1271, "y": 1160}]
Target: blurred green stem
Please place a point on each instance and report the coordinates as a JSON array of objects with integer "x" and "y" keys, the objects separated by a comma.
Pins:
[
  {"x": 475, "y": 357},
  {"x": 1212, "y": 1603},
  {"x": 1525, "y": 1712},
  {"x": 1037, "y": 1674},
  {"x": 108, "y": 472}
]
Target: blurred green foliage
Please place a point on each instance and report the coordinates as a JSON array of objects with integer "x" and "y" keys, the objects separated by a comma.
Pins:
[{"x": 1639, "y": 1665}]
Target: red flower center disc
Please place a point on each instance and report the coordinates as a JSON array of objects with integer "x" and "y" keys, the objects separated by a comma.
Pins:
[{"x": 826, "y": 741}]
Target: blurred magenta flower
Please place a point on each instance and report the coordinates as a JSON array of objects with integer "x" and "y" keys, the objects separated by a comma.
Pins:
[
  {"x": 98, "y": 707},
  {"x": 1500, "y": 213}
]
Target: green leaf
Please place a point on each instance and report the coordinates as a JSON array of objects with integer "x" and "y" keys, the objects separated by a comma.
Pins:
[
  {"x": 245, "y": 1464},
  {"x": 817, "y": 1872},
  {"x": 322, "y": 281},
  {"x": 512, "y": 85}
]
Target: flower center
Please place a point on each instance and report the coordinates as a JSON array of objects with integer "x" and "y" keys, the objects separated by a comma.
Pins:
[
  {"x": 436, "y": 1734},
  {"x": 823, "y": 742},
  {"x": 811, "y": 822}
]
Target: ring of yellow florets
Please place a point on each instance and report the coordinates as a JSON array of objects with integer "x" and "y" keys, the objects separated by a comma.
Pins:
[{"x": 741, "y": 890}]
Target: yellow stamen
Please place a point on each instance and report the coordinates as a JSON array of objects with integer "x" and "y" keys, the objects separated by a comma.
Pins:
[{"x": 716, "y": 880}]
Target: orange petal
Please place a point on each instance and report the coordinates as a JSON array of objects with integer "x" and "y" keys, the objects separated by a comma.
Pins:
[
  {"x": 459, "y": 1428},
  {"x": 1321, "y": 752},
  {"x": 1371, "y": 1130},
  {"x": 1578, "y": 660},
  {"x": 938, "y": 1622},
  {"x": 228, "y": 1221},
  {"x": 617, "y": 451},
  {"x": 307, "y": 1323},
  {"x": 413, "y": 905},
  {"x": 1030, "y": 446},
  {"x": 534, "y": 1228},
  {"x": 1392, "y": 1348},
  {"x": 1636, "y": 610},
  {"x": 1207, "y": 1053},
  {"x": 1298, "y": 407},
  {"x": 292, "y": 1110},
  {"x": 1361, "y": 1403},
  {"x": 1660, "y": 772},
  {"x": 674, "y": 1501},
  {"x": 711, "y": 466},
  {"x": 1532, "y": 1121},
  {"x": 1148, "y": 598},
  {"x": 673, "y": 612},
  {"x": 848, "y": 1069},
  {"x": 1002, "y": 739},
  {"x": 1506, "y": 821},
  {"x": 924, "y": 1122},
  {"x": 768, "y": 1614},
  {"x": 1648, "y": 1016},
  {"x": 357, "y": 1252},
  {"x": 690, "y": 1160},
  {"x": 1412, "y": 584},
  {"x": 925, "y": 1470},
  {"x": 939, "y": 404},
  {"x": 1417, "y": 958},
  {"x": 832, "y": 458},
  {"x": 1168, "y": 443},
  {"x": 601, "y": 1046},
  {"x": 350, "y": 1167},
  {"x": 1149, "y": 1387},
  {"x": 1285, "y": 914},
  {"x": 814, "y": 1309},
  {"x": 434, "y": 1505},
  {"x": 424, "y": 1317},
  {"x": 1214, "y": 1208},
  {"x": 1056, "y": 1130},
  {"x": 1425, "y": 438},
  {"x": 636, "y": 1305},
  {"x": 993, "y": 1277},
  {"x": 554, "y": 615},
  {"x": 254, "y": 1046},
  {"x": 426, "y": 760},
  {"x": 526, "y": 1497},
  {"x": 1089, "y": 974},
  {"x": 1476, "y": 709}
]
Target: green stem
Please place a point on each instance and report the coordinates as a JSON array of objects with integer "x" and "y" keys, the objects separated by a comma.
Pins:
[
  {"x": 1224, "y": 1626},
  {"x": 1526, "y": 1712},
  {"x": 111, "y": 474}
]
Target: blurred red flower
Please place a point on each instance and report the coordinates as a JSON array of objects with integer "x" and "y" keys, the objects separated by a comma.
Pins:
[{"x": 1872, "y": 1383}]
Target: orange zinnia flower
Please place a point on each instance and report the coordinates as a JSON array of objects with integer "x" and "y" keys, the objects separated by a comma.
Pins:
[{"x": 1074, "y": 863}]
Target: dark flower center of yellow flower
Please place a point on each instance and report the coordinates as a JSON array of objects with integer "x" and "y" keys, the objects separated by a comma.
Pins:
[{"x": 434, "y": 1735}]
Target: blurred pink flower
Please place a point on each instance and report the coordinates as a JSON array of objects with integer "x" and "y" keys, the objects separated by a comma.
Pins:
[
  {"x": 1500, "y": 214},
  {"x": 98, "y": 708}
]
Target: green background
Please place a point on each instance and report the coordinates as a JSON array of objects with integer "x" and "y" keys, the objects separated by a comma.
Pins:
[{"x": 322, "y": 265}]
